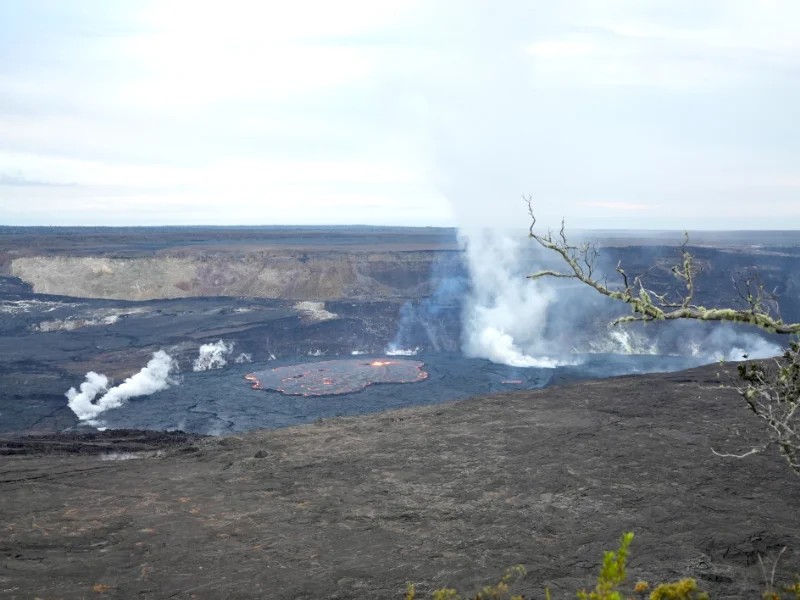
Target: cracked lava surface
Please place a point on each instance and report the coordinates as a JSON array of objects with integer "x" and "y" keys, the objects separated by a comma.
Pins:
[{"x": 336, "y": 377}]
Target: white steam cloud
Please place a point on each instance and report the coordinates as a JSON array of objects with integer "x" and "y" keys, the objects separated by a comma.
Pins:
[
  {"x": 394, "y": 351},
  {"x": 511, "y": 320},
  {"x": 504, "y": 118},
  {"x": 505, "y": 314},
  {"x": 212, "y": 356},
  {"x": 486, "y": 147},
  {"x": 154, "y": 377},
  {"x": 621, "y": 340},
  {"x": 499, "y": 126},
  {"x": 725, "y": 344}
]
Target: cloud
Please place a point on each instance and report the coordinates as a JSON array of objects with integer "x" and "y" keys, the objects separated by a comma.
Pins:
[
  {"x": 455, "y": 108},
  {"x": 621, "y": 206},
  {"x": 12, "y": 179},
  {"x": 632, "y": 105}
]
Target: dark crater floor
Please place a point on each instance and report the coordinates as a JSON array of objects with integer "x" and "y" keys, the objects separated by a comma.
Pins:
[
  {"x": 111, "y": 444},
  {"x": 223, "y": 401},
  {"x": 49, "y": 343},
  {"x": 445, "y": 495},
  {"x": 351, "y": 496}
]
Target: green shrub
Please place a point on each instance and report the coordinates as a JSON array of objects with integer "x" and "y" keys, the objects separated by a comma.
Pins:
[{"x": 610, "y": 584}]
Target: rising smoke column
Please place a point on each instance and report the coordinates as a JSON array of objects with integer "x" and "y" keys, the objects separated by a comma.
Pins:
[
  {"x": 154, "y": 377},
  {"x": 527, "y": 100},
  {"x": 493, "y": 135},
  {"x": 82, "y": 403},
  {"x": 725, "y": 342},
  {"x": 428, "y": 317},
  {"x": 505, "y": 314},
  {"x": 212, "y": 356}
]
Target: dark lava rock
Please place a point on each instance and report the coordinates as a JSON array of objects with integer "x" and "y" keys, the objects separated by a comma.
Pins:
[
  {"x": 445, "y": 495},
  {"x": 98, "y": 442}
]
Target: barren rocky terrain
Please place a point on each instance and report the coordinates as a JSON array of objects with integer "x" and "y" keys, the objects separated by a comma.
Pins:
[
  {"x": 354, "y": 507},
  {"x": 439, "y": 495}
]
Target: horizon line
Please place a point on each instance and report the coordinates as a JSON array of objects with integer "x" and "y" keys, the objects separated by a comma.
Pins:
[{"x": 362, "y": 225}]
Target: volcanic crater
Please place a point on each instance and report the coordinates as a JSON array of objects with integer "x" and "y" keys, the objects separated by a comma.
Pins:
[
  {"x": 336, "y": 377},
  {"x": 353, "y": 504}
]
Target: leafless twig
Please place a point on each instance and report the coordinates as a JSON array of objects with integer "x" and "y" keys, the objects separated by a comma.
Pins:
[
  {"x": 771, "y": 390},
  {"x": 646, "y": 304}
]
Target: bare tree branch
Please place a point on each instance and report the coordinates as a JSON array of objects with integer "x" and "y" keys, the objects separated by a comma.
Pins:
[
  {"x": 748, "y": 453},
  {"x": 647, "y": 305},
  {"x": 771, "y": 390},
  {"x": 769, "y": 581}
]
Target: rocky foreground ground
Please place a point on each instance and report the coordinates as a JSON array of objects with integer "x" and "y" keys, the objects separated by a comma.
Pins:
[{"x": 446, "y": 495}]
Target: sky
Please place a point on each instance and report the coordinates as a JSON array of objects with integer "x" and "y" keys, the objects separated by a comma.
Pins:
[{"x": 625, "y": 114}]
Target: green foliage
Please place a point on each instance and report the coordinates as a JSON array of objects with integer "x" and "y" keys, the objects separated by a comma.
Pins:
[
  {"x": 788, "y": 374},
  {"x": 612, "y": 574},
  {"x": 685, "y": 589},
  {"x": 499, "y": 591},
  {"x": 793, "y": 589},
  {"x": 446, "y": 594},
  {"x": 772, "y": 395},
  {"x": 772, "y": 391},
  {"x": 610, "y": 584},
  {"x": 411, "y": 592}
]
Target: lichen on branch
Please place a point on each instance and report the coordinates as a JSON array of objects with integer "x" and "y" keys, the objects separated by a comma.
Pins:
[
  {"x": 772, "y": 390},
  {"x": 648, "y": 305}
]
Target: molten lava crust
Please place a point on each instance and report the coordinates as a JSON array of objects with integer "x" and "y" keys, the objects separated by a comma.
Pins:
[{"x": 336, "y": 377}]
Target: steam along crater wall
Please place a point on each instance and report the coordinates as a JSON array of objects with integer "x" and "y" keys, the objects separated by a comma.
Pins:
[{"x": 358, "y": 263}]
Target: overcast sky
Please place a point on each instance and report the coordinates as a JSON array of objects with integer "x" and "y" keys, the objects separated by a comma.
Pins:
[{"x": 620, "y": 113}]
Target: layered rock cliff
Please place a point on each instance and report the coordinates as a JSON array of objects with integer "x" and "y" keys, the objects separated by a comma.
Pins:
[{"x": 284, "y": 275}]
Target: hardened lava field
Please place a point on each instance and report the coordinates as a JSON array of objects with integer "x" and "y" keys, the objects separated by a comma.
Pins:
[{"x": 336, "y": 377}]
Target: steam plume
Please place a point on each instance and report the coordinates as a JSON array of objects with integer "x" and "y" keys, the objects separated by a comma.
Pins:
[
  {"x": 82, "y": 403},
  {"x": 402, "y": 351},
  {"x": 505, "y": 315},
  {"x": 724, "y": 343},
  {"x": 514, "y": 106},
  {"x": 511, "y": 320},
  {"x": 154, "y": 377},
  {"x": 493, "y": 136},
  {"x": 427, "y": 321},
  {"x": 212, "y": 356}
]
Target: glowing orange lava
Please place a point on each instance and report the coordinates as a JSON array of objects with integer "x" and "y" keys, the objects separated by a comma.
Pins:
[{"x": 380, "y": 363}]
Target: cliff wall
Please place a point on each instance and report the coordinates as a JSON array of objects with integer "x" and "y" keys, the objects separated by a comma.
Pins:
[{"x": 284, "y": 275}]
